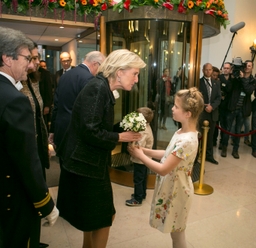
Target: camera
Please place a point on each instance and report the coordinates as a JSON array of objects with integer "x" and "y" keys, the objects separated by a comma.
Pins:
[{"x": 237, "y": 66}]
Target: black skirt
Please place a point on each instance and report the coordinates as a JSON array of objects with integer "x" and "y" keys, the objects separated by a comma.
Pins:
[{"x": 86, "y": 203}]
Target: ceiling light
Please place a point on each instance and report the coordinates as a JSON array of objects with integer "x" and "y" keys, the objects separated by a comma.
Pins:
[
  {"x": 61, "y": 27},
  {"x": 80, "y": 41},
  {"x": 56, "y": 39}
]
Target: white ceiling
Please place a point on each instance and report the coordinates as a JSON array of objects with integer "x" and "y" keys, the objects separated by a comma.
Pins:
[{"x": 46, "y": 33}]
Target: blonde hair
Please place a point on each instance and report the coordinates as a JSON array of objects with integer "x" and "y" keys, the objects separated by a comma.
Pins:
[
  {"x": 192, "y": 101},
  {"x": 120, "y": 59},
  {"x": 147, "y": 113}
]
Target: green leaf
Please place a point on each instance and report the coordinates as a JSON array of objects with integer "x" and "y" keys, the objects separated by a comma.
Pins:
[{"x": 160, "y": 202}]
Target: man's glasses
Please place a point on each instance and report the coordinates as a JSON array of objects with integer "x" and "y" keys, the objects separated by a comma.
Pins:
[{"x": 28, "y": 58}]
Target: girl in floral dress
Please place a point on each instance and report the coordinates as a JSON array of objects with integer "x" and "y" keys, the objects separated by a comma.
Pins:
[{"x": 173, "y": 188}]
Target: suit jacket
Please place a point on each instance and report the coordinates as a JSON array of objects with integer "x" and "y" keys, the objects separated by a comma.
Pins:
[
  {"x": 89, "y": 140},
  {"x": 58, "y": 74},
  {"x": 234, "y": 89},
  {"x": 70, "y": 85},
  {"x": 214, "y": 101},
  {"x": 24, "y": 194},
  {"x": 45, "y": 87}
]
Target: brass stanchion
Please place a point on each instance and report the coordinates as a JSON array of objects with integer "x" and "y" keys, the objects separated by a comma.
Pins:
[{"x": 199, "y": 187}]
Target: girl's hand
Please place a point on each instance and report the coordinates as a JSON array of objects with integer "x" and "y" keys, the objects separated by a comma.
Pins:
[{"x": 135, "y": 151}]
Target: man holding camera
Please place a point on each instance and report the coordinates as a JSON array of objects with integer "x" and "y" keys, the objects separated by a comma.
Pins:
[
  {"x": 223, "y": 111},
  {"x": 239, "y": 106}
]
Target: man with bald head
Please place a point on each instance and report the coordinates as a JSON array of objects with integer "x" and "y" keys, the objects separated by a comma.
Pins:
[
  {"x": 210, "y": 90},
  {"x": 70, "y": 85},
  {"x": 65, "y": 60}
]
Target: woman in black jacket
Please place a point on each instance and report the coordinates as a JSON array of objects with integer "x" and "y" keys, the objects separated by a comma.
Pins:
[{"x": 85, "y": 196}]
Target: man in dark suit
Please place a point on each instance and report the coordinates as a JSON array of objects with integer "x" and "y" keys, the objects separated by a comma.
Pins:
[
  {"x": 70, "y": 85},
  {"x": 212, "y": 97},
  {"x": 24, "y": 195},
  {"x": 65, "y": 60}
]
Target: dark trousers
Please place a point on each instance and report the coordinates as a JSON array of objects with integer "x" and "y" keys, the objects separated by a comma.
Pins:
[
  {"x": 164, "y": 107},
  {"x": 216, "y": 134},
  {"x": 236, "y": 116},
  {"x": 253, "y": 141},
  {"x": 140, "y": 181},
  {"x": 223, "y": 121}
]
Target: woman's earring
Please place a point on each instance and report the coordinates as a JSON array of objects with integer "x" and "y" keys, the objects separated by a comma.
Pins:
[{"x": 118, "y": 79}]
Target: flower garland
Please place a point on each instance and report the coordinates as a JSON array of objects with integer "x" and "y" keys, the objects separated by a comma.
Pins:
[{"x": 215, "y": 8}]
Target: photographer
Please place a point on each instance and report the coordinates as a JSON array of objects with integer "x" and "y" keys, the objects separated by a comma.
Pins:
[
  {"x": 239, "y": 106},
  {"x": 224, "y": 78}
]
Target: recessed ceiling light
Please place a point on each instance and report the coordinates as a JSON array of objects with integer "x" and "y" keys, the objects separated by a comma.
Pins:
[
  {"x": 61, "y": 27},
  {"x": 80, "y": 41},
  {"x": 48, "y": 56},
  {"x": 56, "y": 39}
]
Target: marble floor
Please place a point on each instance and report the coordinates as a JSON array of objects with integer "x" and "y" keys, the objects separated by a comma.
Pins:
[{"x": 224, "y": 219}]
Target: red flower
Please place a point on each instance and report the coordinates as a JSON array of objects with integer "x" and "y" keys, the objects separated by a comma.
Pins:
[
  {"x": 168, "y": 5},
  {"x": 127, "y": 4},
  {"x": 158, "y": 216},
  {"x": 181, "y": 8},
  {"x": 210, "y": 12},
  {"x": 104, "y": 6}
]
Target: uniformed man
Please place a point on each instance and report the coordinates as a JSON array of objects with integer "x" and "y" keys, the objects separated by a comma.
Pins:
[{"x": 24, "y": 195}]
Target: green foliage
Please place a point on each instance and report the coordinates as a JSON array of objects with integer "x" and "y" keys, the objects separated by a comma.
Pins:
[{"x": 216, "y": 8}]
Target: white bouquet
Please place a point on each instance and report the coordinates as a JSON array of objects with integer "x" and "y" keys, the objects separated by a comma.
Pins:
[{"x": 134, "y": 121}]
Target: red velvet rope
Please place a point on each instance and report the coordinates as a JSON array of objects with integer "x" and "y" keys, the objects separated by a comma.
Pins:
[{"x": 235, "y": 134}]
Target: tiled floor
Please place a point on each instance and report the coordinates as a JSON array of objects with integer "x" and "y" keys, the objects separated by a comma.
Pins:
[{"x": 224, "y": 219}]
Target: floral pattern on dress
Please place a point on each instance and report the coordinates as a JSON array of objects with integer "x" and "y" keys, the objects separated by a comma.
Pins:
[{"x": 173, "y": 192}]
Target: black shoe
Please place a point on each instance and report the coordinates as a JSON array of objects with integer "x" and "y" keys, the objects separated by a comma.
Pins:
[
  {"x": 254, "y": 154},
  {"x": 43, "y": 245},
  {"x": 212, "y": 160},
  {"x": 248, "y": 143},
  {"x": 224, "y": 151},
  {"x": 235, "y": 155},
  {"x": 132, "y": 195}
]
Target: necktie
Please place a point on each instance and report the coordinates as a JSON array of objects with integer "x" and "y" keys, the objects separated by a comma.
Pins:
[
  {"x": 64, "y": 71},
  {"x": 209, "y": 88}
]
